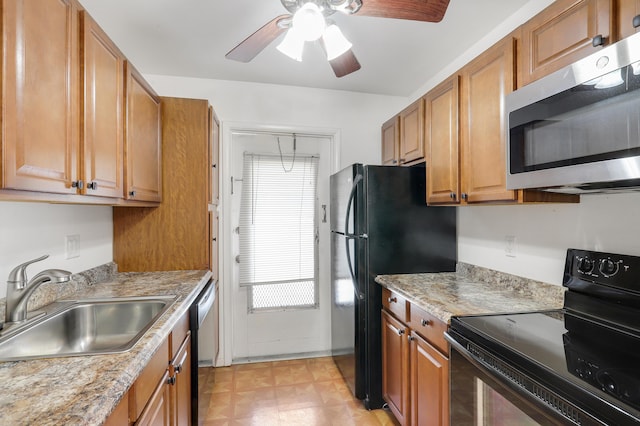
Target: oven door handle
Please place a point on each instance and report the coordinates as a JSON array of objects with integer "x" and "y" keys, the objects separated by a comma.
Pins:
[{"x": 464, "y": 352}]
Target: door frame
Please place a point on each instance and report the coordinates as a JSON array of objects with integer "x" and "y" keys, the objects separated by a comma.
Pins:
[{"x": 228, "y": 128}]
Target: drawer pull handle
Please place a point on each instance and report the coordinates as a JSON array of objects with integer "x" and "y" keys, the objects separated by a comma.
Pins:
[
  {"x": 425, "y": 323},
  {"x": 636, "y": 21},
  {"x": 392, "y": 299},
  {"x": 401, "y": 332}
]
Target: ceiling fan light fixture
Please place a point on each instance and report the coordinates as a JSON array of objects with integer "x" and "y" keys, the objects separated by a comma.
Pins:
[
  {"x": 335, "y": 43},
  {"x": 292, "y": 45},
  {"x": 309, "y": 22}
]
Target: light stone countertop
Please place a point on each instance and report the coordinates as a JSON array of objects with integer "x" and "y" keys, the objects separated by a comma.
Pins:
[
  {"x": 473, "y": 290},
  {"x": 84, "y": 390}
]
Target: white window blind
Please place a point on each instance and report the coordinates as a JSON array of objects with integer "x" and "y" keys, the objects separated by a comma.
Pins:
[{"x": 277, "y": 231}]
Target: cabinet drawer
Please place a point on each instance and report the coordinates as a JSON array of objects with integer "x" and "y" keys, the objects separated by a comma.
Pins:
[
  {"x": 429, "y": 327},
  {"x": 395, "y": 304},
  {"x": 148, "y": 381},
  {"x": 178, "y": 334}
]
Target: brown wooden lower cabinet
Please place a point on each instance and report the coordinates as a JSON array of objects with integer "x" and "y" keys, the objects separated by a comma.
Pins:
[
  {"x": 395, "y": 367},
  {"x": 415, "y": 373},
  {"x": 429, "y": 383},
  {"x": 161, "y": 395}
]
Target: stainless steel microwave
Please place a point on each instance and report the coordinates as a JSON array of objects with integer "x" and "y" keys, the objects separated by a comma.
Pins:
[{"x": 578, "y": 130}]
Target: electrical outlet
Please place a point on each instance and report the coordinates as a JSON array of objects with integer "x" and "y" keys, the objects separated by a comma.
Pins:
[
  {"x": 72, "y": 246},
  {"x": 510, "y": 246}
]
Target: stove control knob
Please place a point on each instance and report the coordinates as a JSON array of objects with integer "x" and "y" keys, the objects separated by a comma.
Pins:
[
  {"x": 608, "y": 267},
  {"x": 608, "y": 384},
  {"x": 585, "y": 265}
]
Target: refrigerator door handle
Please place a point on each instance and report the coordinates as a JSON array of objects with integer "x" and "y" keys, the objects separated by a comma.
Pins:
[
  {"x": 356, "y": 180},
  {"x": 356, "y": 289}
]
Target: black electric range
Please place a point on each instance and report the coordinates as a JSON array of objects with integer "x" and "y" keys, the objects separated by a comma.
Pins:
[{"x": 577, "y": 365}]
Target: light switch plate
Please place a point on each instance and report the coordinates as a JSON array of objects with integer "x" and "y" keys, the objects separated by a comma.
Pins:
[
  {"x": 510, "y": 246},
  {"x": 72, "y": 246}
]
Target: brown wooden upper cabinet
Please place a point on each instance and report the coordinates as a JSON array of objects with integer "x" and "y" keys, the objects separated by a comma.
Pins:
[
  {"x": 485, "y": 82},
  {"x": 442, "y": 142},
  {"x": 102, "y": 131},
  {"x": 391, "y": 142},
  {"x": 412, "y": 133},
  {"x": 40, "y": 123},
  {"x": 564, "y": 32},
  {"x": 628, "y": 18},
  {"x": 143, "y": 154},
  {"x": 214, "y": 156}
]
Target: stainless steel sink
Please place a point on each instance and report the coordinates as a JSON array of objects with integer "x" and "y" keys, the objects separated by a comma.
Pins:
[{"x": 85, "y": 327}]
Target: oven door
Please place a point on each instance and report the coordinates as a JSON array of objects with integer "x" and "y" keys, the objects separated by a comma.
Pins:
[{"x": 481, "y": 396}]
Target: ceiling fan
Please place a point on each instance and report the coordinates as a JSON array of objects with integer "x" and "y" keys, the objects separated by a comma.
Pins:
[{"x": 308, "y": 20}]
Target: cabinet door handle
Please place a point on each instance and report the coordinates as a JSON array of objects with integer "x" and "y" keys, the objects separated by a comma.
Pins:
[
  {"x": 401, "y": 332},
  {"x": 425, "y": 323},
  {"x": 452, "y": 195},
  {"x": 392, "y": 299},
  {"x": 411, "y": 338},
  {"x": 171, "y": 380},
  {"x": 636, "y": 21},
  {"x": 394, "y": 162},
  {"x": 92, "y": 185},
  {"x": 77, "y": 184},
  {"x": 132, "y": 193},
  {"x": 464, "y": 196},
  {"x": 598, "y": 40}
]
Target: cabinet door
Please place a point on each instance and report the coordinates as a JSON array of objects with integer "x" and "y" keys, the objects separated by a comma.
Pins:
[
  {"x": 563, "y": 33},
  {"x": 156, "y": 412},
  {"x": 627, "y": 11},
  {"x": 485, "y": 82},
  {"x": 441, "y": 142},
  {"x": 102, "y": 132},
  {"x": 412, "y": 133},
  {"x": 390, "y": 142},
  {"x": 395, "y": 367},
  {"x": 40, "y": 80},
  {"x": 214, "y": 156},
  {"x": 429, "y": 384},
  {"x": 181, "y": 387},
  {"x": 214, "y": 264},
  {"x": 143, "y": 156}
]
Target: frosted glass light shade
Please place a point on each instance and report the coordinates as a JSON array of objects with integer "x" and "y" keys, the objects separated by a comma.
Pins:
[
  {"x": 335, "y": 42},
  {"x": 309, "y": 22},
  {"x": 292, "y": 45}
]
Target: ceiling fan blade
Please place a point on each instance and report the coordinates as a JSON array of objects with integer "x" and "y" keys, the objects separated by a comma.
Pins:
[
  {"x": 256, "y": 42},
  {"x": 413, "y": 10},
  {"x": 345, "y": 64}
]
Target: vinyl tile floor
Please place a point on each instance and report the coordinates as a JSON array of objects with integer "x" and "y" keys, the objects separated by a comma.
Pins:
[{"x": 282, "y": 393}]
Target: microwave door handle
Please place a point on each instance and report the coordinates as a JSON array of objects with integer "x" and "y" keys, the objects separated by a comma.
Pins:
[{"x": 352, "y": 195}]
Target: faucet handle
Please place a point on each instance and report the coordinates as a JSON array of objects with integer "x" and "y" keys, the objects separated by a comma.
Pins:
[{"x": 19, "y": 273}]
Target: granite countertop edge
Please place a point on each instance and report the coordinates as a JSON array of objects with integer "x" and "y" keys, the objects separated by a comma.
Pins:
[
  {"x": 473, "y": 291},
  {"x": 84, "y": 390}
]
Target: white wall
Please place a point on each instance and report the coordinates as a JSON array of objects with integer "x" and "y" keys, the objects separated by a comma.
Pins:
[
  {"x": 601, "y": 222},
  {"x": 30, "y": 230},
  {"x": 357, "y": 116}
]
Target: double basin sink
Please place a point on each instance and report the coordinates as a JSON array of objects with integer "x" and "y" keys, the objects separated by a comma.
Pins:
[{"x": 84, "y": 327}]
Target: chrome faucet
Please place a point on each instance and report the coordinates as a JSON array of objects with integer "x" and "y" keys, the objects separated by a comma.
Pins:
[{"x": 19, "y": 289}]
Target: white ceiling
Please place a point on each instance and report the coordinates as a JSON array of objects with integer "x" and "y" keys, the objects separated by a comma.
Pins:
[{"x": 189, "y": 38}]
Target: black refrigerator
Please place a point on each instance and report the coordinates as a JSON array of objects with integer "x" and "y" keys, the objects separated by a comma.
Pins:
[{"x": 380, "y": 224}]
